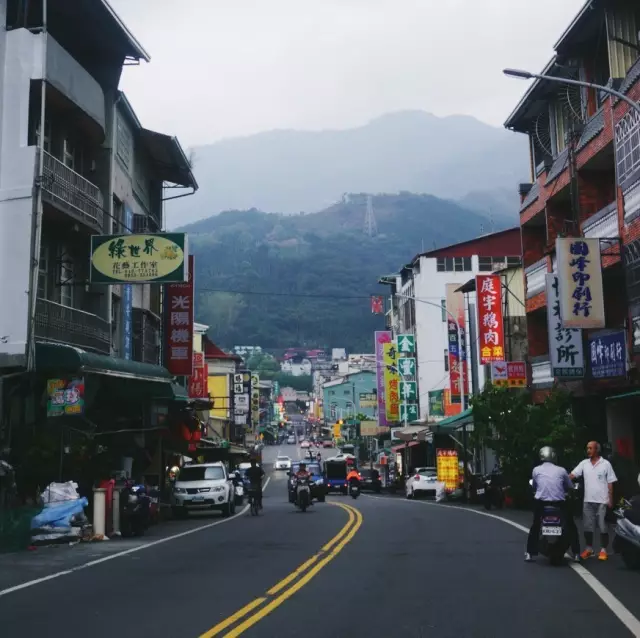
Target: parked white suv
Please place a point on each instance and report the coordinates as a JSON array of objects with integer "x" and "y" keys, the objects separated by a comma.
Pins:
[{"x": 203, "y": 487}]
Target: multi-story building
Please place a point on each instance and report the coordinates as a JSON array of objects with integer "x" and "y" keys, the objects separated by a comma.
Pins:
[
  {"x": 75, "y": 162},
  {"x": 350, "y": 395},
  {"x": 585, "y": 182},
  {"x": 418, "y": 303}
]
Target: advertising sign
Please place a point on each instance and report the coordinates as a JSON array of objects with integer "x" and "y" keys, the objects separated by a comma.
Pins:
[
  {"x": 368, "y": 428},
  {"x": 458, "y": 368},
  {"x": 391, "y": 382},
  {"x": 450, "y": 408},
  {"x": 367, "y": 400},
  {"x": 127, "y": 301},
  {"x": 608, "y": 355},
  {"x": 406, "y": 344},
  {"x": 255, "y": 398},
  {"x": 242, "y": 398},
  {"x": 411, "y": 410},
  {"x": 130, "y": 258},
  {"x": 198, "y": 380},
  {"x": 179, "y": 302},
  {"x": 381, "y": 337},
  {"x": 377, "y": 305},
  {"x": 580, "y": 278},
  {"x": 436, "y": 403},
  {"x": 448, "y": 469},
  {"x": 490, "y": 320},
  {"x": 65, "y": 397},
  {"x": 509, "y": 374},
  {"x": 407, "y": 366},
  {"x": 565, "y": 344}
]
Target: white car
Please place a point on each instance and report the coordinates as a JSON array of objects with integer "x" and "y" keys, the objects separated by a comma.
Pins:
[
  {"x": 203, "y": 487},
  {"x": 282, "y": 463},
  {"x": 305, "y": 444},
  {"x": 291, "y": 440},
  {"x": 424, "y": 482}
]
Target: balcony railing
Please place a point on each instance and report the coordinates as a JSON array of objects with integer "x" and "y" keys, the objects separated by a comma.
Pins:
[
  {"x": 72, "y": 193},
  {"x": 536, "y": 278},
  {"x": 541, "y": 372},
  {"x": 62, "y": 324},
  {"x": 603, "y": 225}
]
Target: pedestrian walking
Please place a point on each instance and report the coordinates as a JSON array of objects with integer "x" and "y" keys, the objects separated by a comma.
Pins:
[{"x": 599, "y": 478}]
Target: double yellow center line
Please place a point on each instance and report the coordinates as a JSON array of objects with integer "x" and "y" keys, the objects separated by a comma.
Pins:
[{"x": 257, "y": 609}]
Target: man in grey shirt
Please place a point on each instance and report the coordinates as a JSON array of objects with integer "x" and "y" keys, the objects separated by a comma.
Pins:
[{"x": 551, "y": 483}]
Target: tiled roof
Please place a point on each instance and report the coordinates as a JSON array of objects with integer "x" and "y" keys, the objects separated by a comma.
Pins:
[
  {"x": 592, "y": 128},
  {"x": 531, "y": 197},
  {"x": 632, "y": 76},
  {"x": 558, "y": 166}
]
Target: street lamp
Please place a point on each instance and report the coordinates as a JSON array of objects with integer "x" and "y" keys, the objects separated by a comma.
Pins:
[{"x": 526, "y": 75}]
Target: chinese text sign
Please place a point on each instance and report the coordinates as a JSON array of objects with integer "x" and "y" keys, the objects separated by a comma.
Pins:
[
  {"x": 391, "y": 382},
  {"x": 490, "y": 320},
  {"x": 381, "y": 337},
  {"x": 608, "y": 355},
  {"x": 179, "y": 301}
]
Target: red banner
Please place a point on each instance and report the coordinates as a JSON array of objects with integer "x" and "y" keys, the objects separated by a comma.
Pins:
[
  {"x": 490, "y": 321},
  {"x": 178, "y": 306},
  {"x": 377, "y": 305},
  {"x": 456, "y": 330},
  {"x": 198, "y": 381}
]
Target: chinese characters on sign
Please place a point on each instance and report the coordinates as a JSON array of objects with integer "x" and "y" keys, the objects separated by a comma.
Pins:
[
  {"x": 127, "y": 300},
  {"x": 454, "y": 362},
  {"x": 565, "y": 344},
  {"x": 131, "y": 258},
  {"x": 179, "y": 300},
  {"x": 458, "y": 367},
  {"x": 407, "y": 366},
  {"x": 242, "y": 399},
  {"x": 411, "y": 410},
  {"x": 406, "y": 344},
  {"x": 377, "y": 305},
  {"x": 381, "y": 337},
  {"x": 608, "y": 355},
  {"x": 198, "y": 381},
  {"x": 391, "y": 382},
  {"x": 580, "y": 280},
  {"x": 436, "y": 403},
  {"x": 65, "y": 397},
  {"x": 367, "y": 400},
  {"x": 448, "y": 469},
  {"x": 490, "y": 320},
  {"x": 511, "y": 374}
]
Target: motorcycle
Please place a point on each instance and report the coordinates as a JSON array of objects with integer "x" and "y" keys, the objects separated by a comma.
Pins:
[
  {"x": 626, "y": 541},
  {"x": 554, "y": 538},
  {"x": 135, "y": 506},
  {"x": 303, "y": 494},
  {"x": 354, "y": 489},
  {"x": 238, "y": 487},
  {"x": 492, "y": 492}
]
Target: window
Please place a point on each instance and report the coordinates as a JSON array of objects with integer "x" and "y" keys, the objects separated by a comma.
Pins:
[
  {"x": 332, "y": 391},
  {"x": 347, "y": 392},
  {"x": 119, "y": 226},
  {"x": 489, "y": 264},
  {"x": 195, "y": 473},
  {"x": 47, "y": 135},
  {"x": 453, "y": 264},
  {"x": 124, "y": 142},
  {"x": 443, "y": 304},
  {"x": 446, "y": 360},
  {"x": 66, "y": 278},
  {"x": 628, "y": 147},
  {"x": 43, "y": 266}
]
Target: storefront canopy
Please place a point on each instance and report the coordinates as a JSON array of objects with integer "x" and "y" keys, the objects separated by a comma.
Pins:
[
  {"x": 408, "y": 433},
  {"x": 399, "y": 448},
  {"x": 454, "y": 422}
]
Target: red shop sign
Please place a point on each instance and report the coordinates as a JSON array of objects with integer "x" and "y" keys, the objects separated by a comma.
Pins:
[
  {"x": 179, "y": 302},
  {"x": 490, "y": 321}
]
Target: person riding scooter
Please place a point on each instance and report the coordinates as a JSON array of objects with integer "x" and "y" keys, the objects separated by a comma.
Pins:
[{"x": 551, "y": 484}]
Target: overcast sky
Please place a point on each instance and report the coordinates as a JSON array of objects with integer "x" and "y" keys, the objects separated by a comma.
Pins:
[{"x": 223, "y": 68}]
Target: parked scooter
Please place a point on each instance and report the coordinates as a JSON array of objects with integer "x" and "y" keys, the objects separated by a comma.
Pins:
[
  {"x": 627, "y": 539},
  {"x": 134, "y": 510}
]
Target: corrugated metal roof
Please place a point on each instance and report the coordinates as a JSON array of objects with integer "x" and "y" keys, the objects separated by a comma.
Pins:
[
  {"x": 592, "y": 129},
  {"x": 561, "y": 162}
]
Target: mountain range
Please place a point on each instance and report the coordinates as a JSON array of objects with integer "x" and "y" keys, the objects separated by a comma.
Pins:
[{"x": 288, "y": 171}]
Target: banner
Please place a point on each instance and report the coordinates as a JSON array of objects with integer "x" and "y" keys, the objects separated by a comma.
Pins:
[
  {"x": 436, "y": 403},
  {"x": 391, "y": 382},
  {"x": 458, "y": 368},
  {"x": 448, "y": 469},
  {"x": 580, "y": 279},
  {"x": 565, "y": 344},
  {"x": 178, "y": 306},
  {"x": 380, "y": 338},
  {"x": 65, "y": 397},
  {"x": 377, "y": 305},
  {"x": 490, "y": 319},
  {"x": 198, "y": 388}
]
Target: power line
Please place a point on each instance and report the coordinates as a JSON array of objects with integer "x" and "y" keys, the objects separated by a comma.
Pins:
[{"x": 292, "y": 294}]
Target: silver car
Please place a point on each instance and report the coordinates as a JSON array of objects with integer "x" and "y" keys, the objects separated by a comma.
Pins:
[{"x": 203, "y": 487}]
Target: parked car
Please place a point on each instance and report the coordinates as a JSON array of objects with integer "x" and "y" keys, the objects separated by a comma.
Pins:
[
  {"x": 202, "y": 487},
  {"x": 424, "y": 483},
  {"x": 370, "y": 480},
  {"x": 282, "y": 463}
]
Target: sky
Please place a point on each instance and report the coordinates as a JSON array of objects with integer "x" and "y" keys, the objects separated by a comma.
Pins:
[{"x": 228, "y": 68}]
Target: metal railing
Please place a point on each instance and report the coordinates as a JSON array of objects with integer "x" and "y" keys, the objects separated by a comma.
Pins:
[
  {"x": 62, "y": 324},
  {"x": 536, "y": 277},
  {"x": 69, "y": 191}
]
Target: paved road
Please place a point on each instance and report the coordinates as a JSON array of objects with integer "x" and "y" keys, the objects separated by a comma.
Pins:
[{"x": 388, "y": 567}]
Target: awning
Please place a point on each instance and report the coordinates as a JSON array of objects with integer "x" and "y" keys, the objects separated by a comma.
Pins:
[
  {"x": 397, "y": 448},
  {"x": 626, "y": 395},
  {"x": 170, "y": 162},
  {"x": 454, "y": 422},
  {"x": 407, "y": 434}
]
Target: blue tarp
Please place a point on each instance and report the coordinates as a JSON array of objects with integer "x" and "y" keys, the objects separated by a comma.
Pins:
[{"x": 59, "y": 514}]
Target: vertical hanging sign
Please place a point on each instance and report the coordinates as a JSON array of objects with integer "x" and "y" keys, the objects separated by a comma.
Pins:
[
  {"x": 127, "y": 298},
  {"x": 178, "y": 311},
  {"x": 381, "y": 337},
  {"x": 391, "y": 382},
  {"x": 490, "y": 319},
  {"x": 456, "y": 328}
]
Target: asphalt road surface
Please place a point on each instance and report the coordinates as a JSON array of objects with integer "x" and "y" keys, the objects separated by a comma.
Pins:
[{"x": 375, "y": 566}]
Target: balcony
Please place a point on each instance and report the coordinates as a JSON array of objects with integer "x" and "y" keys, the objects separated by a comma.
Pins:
[
  {"x": 541, "y": 372},
  {"x": 62, "y": 324},
  {"x": 536, "y": 277},
  {"x": 70, "y": 192},
  {"x": 603, "y": 225}
]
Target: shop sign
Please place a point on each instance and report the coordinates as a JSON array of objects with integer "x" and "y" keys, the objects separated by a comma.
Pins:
[
  {"x": 255, "y": 398},
  {"x": 409, "y": 412},
  {"x": 127, "y": 301},
  {"x": 448, "y": 469},
  {"x": 580, "y": 278},
  {"x": 407, "y": 366},
  {"x": 450, "y": 408},
  {"x": 179, "y": 302},
  {"x": 139, "y": 259},
  {"x": 406, "y": 344},
  {"x": 490, "y": 319},
  {"x": 565, "y": 344},
  {"x": 608, "y": 355},
  {"x": 242, "y": 398},
  {"x": 381, "y": 337},
  {"x": 369, "y": 428},
  {"x": 65, "y": 397},
  {"x": 458, "y": 368},
  {"x": 198, "y": 380},
  {"x": 367, "y": 400},
  {"x": 509, "y": 374},
  {"x": 391, "y": 382},
  {"x": 436, "y": 403}
]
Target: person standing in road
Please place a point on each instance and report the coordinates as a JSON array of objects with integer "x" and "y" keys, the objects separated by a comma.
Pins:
[{"x": 599, "y": 478}]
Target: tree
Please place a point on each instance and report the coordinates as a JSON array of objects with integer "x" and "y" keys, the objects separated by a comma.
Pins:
[{"x": 507, "y": 422}]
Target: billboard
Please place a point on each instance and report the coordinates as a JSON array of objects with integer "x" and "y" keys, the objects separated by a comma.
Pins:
[
  {"x": 391, "y": 382},
  {"x": 380, "y": 338},
  {"x": 178, "y": 309}
]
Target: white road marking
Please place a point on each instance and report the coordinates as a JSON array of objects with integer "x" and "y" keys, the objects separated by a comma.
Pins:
[
  {"x": 126, "y": 552},
  {"x": 614, "y": 604}
]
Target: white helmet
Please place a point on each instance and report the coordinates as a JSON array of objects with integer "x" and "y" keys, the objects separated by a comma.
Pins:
[{"x": 548, "y": 454}]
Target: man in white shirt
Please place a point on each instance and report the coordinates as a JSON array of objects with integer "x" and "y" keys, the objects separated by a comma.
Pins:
[{"x": 599, "y": 478}]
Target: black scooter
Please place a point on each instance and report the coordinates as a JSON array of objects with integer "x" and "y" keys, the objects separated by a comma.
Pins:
[
  {"x": 354, "y": 488},
  {"x": 134, "y": 510},
  {"x": 492, "y": 491}
]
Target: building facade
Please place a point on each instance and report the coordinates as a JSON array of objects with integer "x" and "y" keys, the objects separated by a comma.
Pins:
[
  {"x": 350, "y": 395},
  {"x": 585, "y": 182}
]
